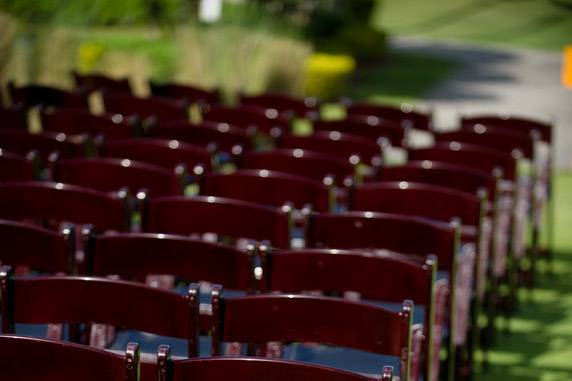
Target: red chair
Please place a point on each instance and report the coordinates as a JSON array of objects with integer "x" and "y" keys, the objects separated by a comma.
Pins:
[
  {"x": 455, "y": 176},
  {"x": 37, "y": 95},
  {"x": 154, "y": 107},
  {"x": 226, "y": 217},
  {"x": 477, "y": 157},
  {"x": 406, "y": 115},
  {"x": 307, "y": 107},
  {"x": 111, "y": 175},
  {"x": 37, "y": 248},
  {"x": 76, "y": 300},
  {"x": 493, "y": 138},
  {"x": 13, "y": 118},
  {"x": 315, "y": 165},
  {"x": 268, "y": 188},
  {"x": 526, "y": 202},
  {"x": 344, "y": 146},
  {"x": 49, "y": 146},
  {"x": 30, "y": 359},
  {"x": 389, "y": 278},
  {"x": 512, "y": 123},
  {"x": 375, "y": 231},
  {"x": 63, "y": 202},
  {"x": 250, "y": 118},
  {"x": 430, "y": 201},
  {"x": 17, "y": 167},
  {"x": 160, "y": 259},
  {"x": 529, "y": 128},
  {"x": 297, "y": 318},
  {"x": 248, "y": 369},
  {"x": 134, "y": 256},
  {"x": 211, "y": 135},
  {"x": 87, "y": 83},
  {"x": 189, "y": 94},
  {"x": 78, "y": 122},
  {"x": 161, "y": 152},
  {"x": 370, "y": 127}
]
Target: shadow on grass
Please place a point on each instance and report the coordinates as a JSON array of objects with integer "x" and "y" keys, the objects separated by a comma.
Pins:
[
  {"x": 401, "y": 77},
  {"x": 540, "y": 343}
]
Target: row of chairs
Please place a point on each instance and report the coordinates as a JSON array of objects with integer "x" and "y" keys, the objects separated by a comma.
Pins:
[
  {"x": 396, "y": 198},
  {"x": 56, "y": 360}
]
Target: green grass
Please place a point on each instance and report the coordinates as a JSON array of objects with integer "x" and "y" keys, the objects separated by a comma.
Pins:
[
  {"x": 542, "y": 24},
  {"x": 539, "y": 346},
  {"x": 401, "y": 77}
]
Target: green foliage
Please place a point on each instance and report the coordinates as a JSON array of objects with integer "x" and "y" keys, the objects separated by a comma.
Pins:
[
  {"x": 542, "y": 24},
  {"x": 98, "y": 12}
]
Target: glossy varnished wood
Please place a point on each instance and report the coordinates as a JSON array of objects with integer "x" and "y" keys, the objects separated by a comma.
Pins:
[
  {"x": 235, "y": 218},
  {"x": 268, "y": 188},
  {"x": 77, "y": 122},
  {"x": 155, "y": 107},
  {"x": 130, "y": 305},
  {"x": 343, "y": 146},
  {"x": 18, "y": 167},
  {"x": 62, "y": 202},
  {"x": 315, "y": 165},
  {"x": 35, "y": 247},
  {"x": 163, "y": 152},
  {"x": 136, "y": 255},
  {"x": 212, "y": 135},
  {"x": 470, "y": 155},
  {"x": 31, "y": 359},
  {"x": 111, "y": 175},
  {"x": 370, "y": 127}
]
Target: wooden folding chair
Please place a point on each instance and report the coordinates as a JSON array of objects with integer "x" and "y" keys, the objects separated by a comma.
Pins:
[
  {"x": 374, "y": 231},
  {"x": 311, "y": 164},
  {"x": 370, "y": 127},
  {"x": 307, "y": 107},
  {"x": 250, "y": 118},
  {"x": 165, "y": 153},
  {"x": 216, "y": 137},
  {"x": 153, "y": 107},
  {"x": 32, "y": 247},
  {"x": 298, "y": 318},
  {"x": 78, "y": 122},
  {"x": 18, "y": 167},
  {"x": 247, "y": 369},
  {"x": 268, "y": 188},
  {"x": 355, "y": 148},
  {"x": 443, "y": 204},
  {"x": 406, "y": 115},
  {"x": 47, "y": 201},
  {"x": 112, "y": 175},
  {"x": 544, "y": 160},
  {"x": 389, "y": 278},
  {"x": 31, "y": 359},
  {"x": 222, "y": 216},
  {"x": 49, "y": 145},
  {"x": 84, "y": 300}
]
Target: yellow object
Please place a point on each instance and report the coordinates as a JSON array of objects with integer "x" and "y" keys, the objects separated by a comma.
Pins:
[
  {"x": 89, "y": 54},
  {"x": 567, "y": 67},
  {"x": 326, "y": 75}
]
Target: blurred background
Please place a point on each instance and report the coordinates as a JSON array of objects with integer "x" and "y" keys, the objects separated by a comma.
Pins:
[
  {"x": 390, "y": 51},
  {"x": 455, "y": 57}
]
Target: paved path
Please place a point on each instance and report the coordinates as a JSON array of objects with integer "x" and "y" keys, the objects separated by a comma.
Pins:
[{"x": 489, "y": 79}]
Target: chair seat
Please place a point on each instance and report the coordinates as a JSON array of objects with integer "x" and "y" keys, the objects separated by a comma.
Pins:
[
  {"x": 342, "y": 358},
  {"x": 148, "y": 343}
]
